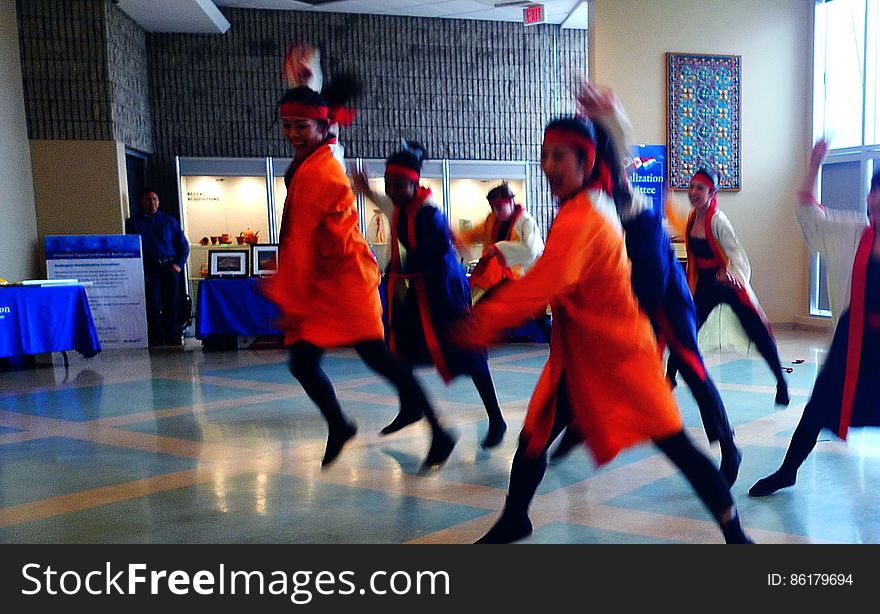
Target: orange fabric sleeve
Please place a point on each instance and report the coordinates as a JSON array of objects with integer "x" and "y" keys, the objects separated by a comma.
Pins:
[{"x": 560, "y": 267}]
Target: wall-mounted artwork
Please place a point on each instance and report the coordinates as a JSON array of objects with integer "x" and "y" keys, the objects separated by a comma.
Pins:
[{"x": 703, "y": 127}]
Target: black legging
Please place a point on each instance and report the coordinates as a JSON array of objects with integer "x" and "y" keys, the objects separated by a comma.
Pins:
[
  {"x": 482, "y": 378},
  {"x": 305, "y": 366},
  {"x": 714, "y": 417},
  {"x": 709, "y": 294},
  {"x": 802, "y": 443},
  {"x": 526, "y": 473}
]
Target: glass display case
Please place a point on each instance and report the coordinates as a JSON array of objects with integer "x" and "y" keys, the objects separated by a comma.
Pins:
[
  {"x": 227, "y": 200},
  {"x": 470, "y": 182},
  {"x": 279, "y": 191},
  {"x": 223, "y": 204}
]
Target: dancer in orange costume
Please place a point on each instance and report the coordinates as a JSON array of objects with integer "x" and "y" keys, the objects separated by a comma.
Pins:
[
  {"x": 328, "y": 280},
  {"x": 603, "y": 379}
]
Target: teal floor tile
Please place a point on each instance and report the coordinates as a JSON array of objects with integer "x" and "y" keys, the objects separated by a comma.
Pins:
[
  {"x": 250, "y": 509},
  {"x": 742, "y": 407},
  {"x": 566, "y": 533},
  {"x": 41, "y": 468},
  {"x": 829, "y": 502},
  {"x": 337, "y": 368},
  {"x": 470, "y": 464},
  {"x": 509, "y": 387},
  {"x": 289, "y": 421},
  {"x": 755, "y": 371},
  {"x": 93, "y": 402}
]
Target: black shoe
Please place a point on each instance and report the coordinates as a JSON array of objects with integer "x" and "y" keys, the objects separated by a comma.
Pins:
[
  {"x": 509, "y": 528},
  {"x": 337, "y": 438},
  {"x": 441, "y": 447},
  {"x": 782, "y": 394},
  {"x": 770, "y": 484},
  {"x": 497, "y": 428},
  {"x": 731, "y": 458},
  {"x": 568, "y": 443},
  {"x": 401, "y": 420},
  {"x": 734, "y": 534}
]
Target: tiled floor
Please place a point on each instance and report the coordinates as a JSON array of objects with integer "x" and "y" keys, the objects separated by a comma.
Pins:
[{"x": 181, "y": 446}]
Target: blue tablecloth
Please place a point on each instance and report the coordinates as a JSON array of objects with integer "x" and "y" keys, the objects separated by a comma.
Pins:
[
  {"x": 37, "y": 320},
  {"x": 234, "y": 307}
]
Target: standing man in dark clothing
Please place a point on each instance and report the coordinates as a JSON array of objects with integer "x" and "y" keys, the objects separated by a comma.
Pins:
[{"x": 165, "y": 250}]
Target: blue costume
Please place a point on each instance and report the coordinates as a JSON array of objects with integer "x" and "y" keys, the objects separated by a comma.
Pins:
[
  {"x": 438, "y": 295},
  {"x": 427, "y": 289},
  {"x": 661, "y": 287}
]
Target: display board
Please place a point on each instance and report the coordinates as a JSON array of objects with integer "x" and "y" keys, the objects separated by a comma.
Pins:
[{"x": 114, "y": 266}]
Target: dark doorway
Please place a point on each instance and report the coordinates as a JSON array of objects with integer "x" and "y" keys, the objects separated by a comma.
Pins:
[{"x": 136, "y": 173}]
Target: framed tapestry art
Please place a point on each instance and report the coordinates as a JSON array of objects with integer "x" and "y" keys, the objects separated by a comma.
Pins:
[{"x": 703, "y": 121}]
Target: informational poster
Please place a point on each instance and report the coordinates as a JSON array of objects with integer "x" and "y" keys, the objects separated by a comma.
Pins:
[
  {"x": 647, "y": 173},
  {"x": 114, "y": 266}
]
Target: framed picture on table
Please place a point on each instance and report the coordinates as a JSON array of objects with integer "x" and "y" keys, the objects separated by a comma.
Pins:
[
  {"x": 264, "y": 259},
  {"x": 224, "y": 263}
]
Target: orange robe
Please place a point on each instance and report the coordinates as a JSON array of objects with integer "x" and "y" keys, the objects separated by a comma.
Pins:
[
  {"x": 601, "y": 341},
  {"x": 327, "y": 285}
]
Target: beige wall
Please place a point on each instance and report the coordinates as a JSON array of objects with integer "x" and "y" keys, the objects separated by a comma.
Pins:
[
  {"x": 80, "y": 188},
  {"x": 628, "y": 45},
  {"x": 18, "y": 227}
]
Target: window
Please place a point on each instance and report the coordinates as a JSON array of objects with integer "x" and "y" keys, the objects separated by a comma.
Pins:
[{"x": 846, "y": 110}]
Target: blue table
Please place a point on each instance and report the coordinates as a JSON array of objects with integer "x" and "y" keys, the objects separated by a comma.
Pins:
[
  {"x": 234, "y": 307},
  {"x": 43, "y": 319}
]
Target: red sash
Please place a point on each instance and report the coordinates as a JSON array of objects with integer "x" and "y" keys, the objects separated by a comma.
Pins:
[
  {"x": 708, "y": 263},
  {"x": 856, "y": 329},
  {"x": 496, "y": 224},
  {"x": 720, "y": 257},
  {"x": 666, "y": 336},
  {"x": 417, "y": 282},
  {"x": 492, "y": 270}
]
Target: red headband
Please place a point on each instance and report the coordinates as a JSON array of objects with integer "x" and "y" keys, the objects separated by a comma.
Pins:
[
  {"x": 307, "y": 111},
  {"x": 584, "y": 143},
  {"x": 704, "y": 179},
  {"x": 402, "y": 171},
  {"x": 344, "y": 116}
]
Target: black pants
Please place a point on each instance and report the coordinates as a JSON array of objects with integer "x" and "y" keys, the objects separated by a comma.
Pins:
[
  {"x": 162, "y": 288},
  {"x": 526, "y": 473},
  {"x": 709, "y": 294},
  {"x": 305, "y": 366},
  {"x": 712, "y": 412}
]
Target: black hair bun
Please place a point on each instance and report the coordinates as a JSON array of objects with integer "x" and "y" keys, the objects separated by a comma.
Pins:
[
  {"x": 342, "y": 88},
  {"x": 414, "y": 148}
]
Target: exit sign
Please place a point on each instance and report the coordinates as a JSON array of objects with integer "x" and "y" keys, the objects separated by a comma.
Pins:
[{"x": 534, "y": 13}]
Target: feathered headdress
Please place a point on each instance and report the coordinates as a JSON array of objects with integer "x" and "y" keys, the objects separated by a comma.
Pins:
[
  {"x": 302, "y": 66},
  {"x": 302, "y": 69}
]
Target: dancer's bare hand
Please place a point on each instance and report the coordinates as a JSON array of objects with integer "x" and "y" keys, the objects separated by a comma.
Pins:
[
  {"x": 820, "y": 151},
  {"x": 596, "y": 102},
  {"x": 360, "y": 182}
]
